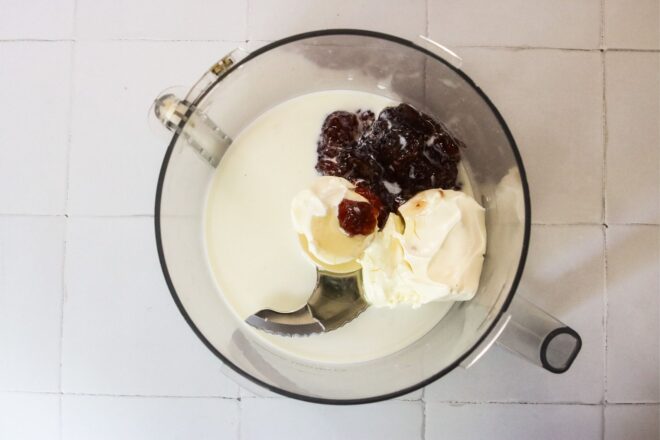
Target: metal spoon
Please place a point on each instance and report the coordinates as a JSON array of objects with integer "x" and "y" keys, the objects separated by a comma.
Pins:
[{"x": 337, "y": 299}]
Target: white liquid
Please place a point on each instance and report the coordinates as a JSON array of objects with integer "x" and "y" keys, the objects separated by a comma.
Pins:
[{"x": 253, "y": 249}]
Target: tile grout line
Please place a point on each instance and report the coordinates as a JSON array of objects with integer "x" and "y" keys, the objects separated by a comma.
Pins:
[
  {"x": 500, "y": 402},
  {"x": 247, "y": 22},
  {"x": 66, "y": 208},
  {"x": 633, "y": 404},
  {"x": 523, "y": 47},
  {"x": 134, "y": 396},
  {"x": 36, "y": 40},
  {"x": 60, "y": 417},
  {"x": 555, "y": 48},
  {"x": 158, "y": 40},
  {"x": 74, "y": 29},
  {"x": 119, "y": 40},
  {"x": 604, "y": 210},
  {"x": 605, "y": 141},
  {"x": 10, "y": 215},
  {"x": 601, "y": 37},
  {"x": 605, "y": 307},
  {"x": 67, "y": 171},
  {"x": 605, "y": 225},
  {"x": 427, "y": 16},
  {"x": 559, "y": 49},
  {"x": 424, "y": 409},
  {"x": 63, "y": 295},
  {"x": 67, "y": 176},
  {"x": 631, "y": 49},
  {"x": 239, "y": 398},
  {"x": 238, "y": 41},
  {"x": 240, "y": 416},
  {"x": 605, "y": 317}
]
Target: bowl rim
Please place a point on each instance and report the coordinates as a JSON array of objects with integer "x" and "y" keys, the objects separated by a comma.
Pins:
[{"x": 432, "y": 378}]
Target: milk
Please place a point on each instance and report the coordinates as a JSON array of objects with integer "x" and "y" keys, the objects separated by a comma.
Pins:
[{"x": 253, "y": 250}]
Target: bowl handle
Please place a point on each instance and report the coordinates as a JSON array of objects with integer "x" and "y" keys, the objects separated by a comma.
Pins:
[
  {"x": 181, "y": 115},
  {"x": 534, "y": 335},
  {"x": 539, "y": 337}
]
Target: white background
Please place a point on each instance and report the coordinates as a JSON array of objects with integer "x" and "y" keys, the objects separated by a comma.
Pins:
[{"x": 91, "y": 344}]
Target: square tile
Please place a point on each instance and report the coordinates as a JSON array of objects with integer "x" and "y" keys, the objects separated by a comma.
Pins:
[
  {"x": 633, "y": 137},
  {"x": 498, "y": 421},
  {"x": 552, "y": 101},
  {"x": 142, "y": 418},
  {"x": 563, "y": 275},
  {"x": 221, "y": 20},
  {"x": 632, "y": 25},
  {"x": 115, "y": 154},
  {"x": 545, "y": 23},
  {"x": 388, "y": 16},
  {"x": 31, "y": 261},
  {"x": 122, "y": 331},
  {"x": 633, "y": 314},
  {"x": 34, "y": 126},
  {"x": 287, "y": 418},
  {"x": 638, "y": 422},
  {"x": 36, "y": 19},
  {"x": 29, "y": 416}
]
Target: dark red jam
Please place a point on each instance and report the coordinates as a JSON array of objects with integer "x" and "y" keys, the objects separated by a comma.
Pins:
[
  {"x": 389, "y": 159},
  {"x": 357, "y": 217}
]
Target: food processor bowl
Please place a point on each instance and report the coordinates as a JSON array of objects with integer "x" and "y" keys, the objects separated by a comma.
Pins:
[{"x": 242, "y": 86}]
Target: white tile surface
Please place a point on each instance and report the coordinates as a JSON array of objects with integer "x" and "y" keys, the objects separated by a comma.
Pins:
[
  {"x": 34, "y": 126},
  {"x": 295, "y": 16},
  {"x": 29, "y": 416},
  {"x": 31, "y": 259},
  {"x": 552, "y": 102},
  {"x": 131, "y": 418},
  {"x": 638, "y": 422},
  {"x": 633, "y": 145},
  {"x": 115, "y": 155},
  {"x": 122, "y": 331},
  {"x": 124, "y": 336},
  {"x": 281, "y": 419},
  {"x": 503, "y": 422},
  {"x": 36, "y": 19},
  {"x": 563, "y": 275},
  {"x": 162, "y": 19},
  {"x": 632, "y": 25},
  {"x": 633, "y": 314},
  {"x": 544, "y": 23}
]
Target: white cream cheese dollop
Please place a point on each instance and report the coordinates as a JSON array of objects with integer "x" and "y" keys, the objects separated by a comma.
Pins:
[
  {"x": 435, "y": 255},
  {"x": 314, "y": 215},
  {"x": 384, "y": 267}
]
